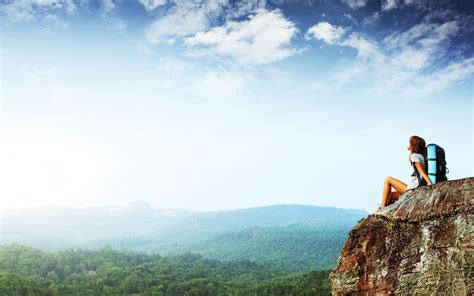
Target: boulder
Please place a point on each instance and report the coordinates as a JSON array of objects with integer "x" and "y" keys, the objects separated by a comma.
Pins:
[{"x": 423, "y": 244}]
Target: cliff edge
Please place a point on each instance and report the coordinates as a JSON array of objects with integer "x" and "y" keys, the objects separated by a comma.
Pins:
[{"x": 423, "y": 244}]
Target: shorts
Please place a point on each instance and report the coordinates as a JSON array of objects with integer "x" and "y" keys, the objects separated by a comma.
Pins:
[{"x": 413, "y": 184}]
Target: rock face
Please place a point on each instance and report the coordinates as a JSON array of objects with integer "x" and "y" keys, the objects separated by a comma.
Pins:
[{"x": 423, "y": 244}]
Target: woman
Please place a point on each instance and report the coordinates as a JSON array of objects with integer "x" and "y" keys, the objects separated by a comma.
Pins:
[{"x": 416, "y": 145}]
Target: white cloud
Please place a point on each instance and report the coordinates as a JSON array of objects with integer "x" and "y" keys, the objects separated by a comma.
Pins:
[
  {"x": 454, "y": 72},
  {"x": 108, "y": 5},
  {"x": 109, "y": 15},
  {"x": 242, "y": 8},
  {"x": 425, "y": 34},
  {"x": 354, "y": 4},
  {"x": 325, "y": 31},
  {"x": 18, "y": 11},
  {"x": 409, "y": 63},
  {"x": 372, "y": 19},
  {"x": 185, "y": 19},
  {"x": 263, "y": 38},
  {"x": 52, "y": 22},
  {"x": 364, "y": 47},
  {"x": 390, "y": 4},
  {"x": 350, "y": 17},
  {"x": 27, "y": 10},
  {"x": 179, "y": 23},
  {"x": 152, "y": 4}
]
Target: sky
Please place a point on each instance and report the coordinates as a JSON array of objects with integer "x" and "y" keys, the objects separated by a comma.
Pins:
[{"x": 218, "y": 104}]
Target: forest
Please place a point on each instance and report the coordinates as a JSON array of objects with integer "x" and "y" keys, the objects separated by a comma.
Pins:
[
  {"x": 273, "y": 250},
  {"x": 30, "y": 271}
]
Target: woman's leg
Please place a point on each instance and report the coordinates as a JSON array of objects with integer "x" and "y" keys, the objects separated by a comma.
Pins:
[
  {"x": 393, "y": 196},
  {"x": 387, "y": 188}
]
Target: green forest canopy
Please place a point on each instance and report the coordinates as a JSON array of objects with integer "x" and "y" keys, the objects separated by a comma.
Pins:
[{"x": 29, "y": 271}]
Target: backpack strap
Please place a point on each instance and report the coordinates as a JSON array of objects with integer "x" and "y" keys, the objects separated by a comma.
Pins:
[{"x": 416, "y": 174}]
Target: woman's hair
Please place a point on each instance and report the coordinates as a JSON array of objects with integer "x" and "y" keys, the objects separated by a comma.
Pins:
[{"x": 417, "y": 145}]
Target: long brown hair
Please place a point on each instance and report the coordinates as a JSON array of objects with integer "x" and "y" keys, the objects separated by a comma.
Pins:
[{"x": 417, "y": 145}]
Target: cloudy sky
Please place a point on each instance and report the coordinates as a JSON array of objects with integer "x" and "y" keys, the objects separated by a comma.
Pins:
[{"x": 219, "y": 104}]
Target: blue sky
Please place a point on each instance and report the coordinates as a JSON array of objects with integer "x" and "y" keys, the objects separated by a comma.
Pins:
[{"x": 229, "y": 104}]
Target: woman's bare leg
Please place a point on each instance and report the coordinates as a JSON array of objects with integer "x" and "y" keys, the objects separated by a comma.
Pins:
[
  {"x": 387, "y": 188},
  {"x": 385, "y": 194},
  {"x": 394, "y": 196}
]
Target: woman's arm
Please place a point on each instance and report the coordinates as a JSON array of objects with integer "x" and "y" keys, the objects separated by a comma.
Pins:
[{"x": 422, "y": 172}]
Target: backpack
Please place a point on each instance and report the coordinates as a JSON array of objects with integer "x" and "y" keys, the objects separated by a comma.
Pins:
[{"x": 436, "y": 165}]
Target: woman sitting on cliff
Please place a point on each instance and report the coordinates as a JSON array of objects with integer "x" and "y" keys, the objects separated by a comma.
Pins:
[{"x": 416, "y": 145}]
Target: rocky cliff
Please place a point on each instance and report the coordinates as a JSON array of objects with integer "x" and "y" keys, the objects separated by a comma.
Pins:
[{"x": 423, "y": 244}]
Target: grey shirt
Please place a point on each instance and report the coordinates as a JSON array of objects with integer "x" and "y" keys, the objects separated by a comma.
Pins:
[{"x": 416, "y": 157}]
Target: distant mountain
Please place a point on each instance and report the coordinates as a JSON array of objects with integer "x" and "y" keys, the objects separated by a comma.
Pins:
[
  {"x": 62, "y": 227},
  {"x": 295, "y": 247},
  {"x": 57, "y": 227},
  {"x": 276, "y": 215},
  {"x": 292, "y": 237}
]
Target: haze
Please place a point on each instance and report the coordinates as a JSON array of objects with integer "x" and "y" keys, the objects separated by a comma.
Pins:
[{"x": 198, "y": 106}]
